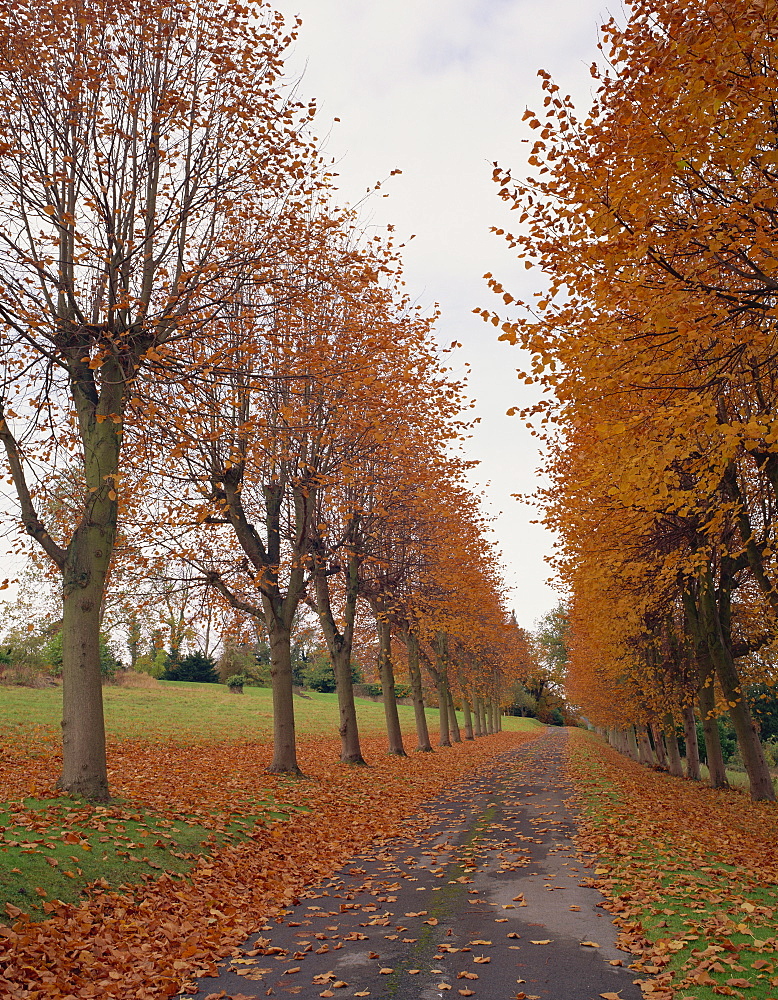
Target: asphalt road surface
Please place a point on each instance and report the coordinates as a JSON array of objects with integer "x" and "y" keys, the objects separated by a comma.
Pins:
[{"x": 489, "y": 904}]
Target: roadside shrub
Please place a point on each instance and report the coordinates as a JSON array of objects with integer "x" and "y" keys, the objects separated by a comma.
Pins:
[
  {"x": 771, "y": 752},
  {"x": 318, "y": 675}
]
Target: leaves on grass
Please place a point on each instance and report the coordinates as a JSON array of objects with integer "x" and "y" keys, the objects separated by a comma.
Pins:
[
  {"x": 158, "y": 933},
  {"x": 692, "y": 876}
]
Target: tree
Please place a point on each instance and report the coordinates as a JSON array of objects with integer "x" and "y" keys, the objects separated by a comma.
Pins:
[
  {"x": 145, "y": 151},
  {"x": 654, "y": 219},
  {"x": 194, "y": 667}
]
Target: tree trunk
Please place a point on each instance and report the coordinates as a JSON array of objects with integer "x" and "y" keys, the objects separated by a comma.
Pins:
[
  {"x": 715, "y": 759},
  {"x": 444, "y": 739},
  {"x": 490, "y": 717},
  {"x": 386, "y": 672},
  {"x": 350, "y": 749},
  {"x": 760, "y": 780},
  {"x": 414, "y": 672},
  {"x": 673, "y": 751},
  {"x": 84, "y": 574},
  {"x": 632, "y": 740},
  {"x": 84, "y": 767},
  {"x": 456, "y": 736},
  {"x": 498, "y": 716},
  {"x": 477, "y": 716},
  {"x": 761, "y": 784},
  {"x": 659, "y": 745},
  {"x": 692, "y": 749},
  {"x": 339, "y": 645},
  {"x": 468, "y": 718},
  {"x": 645, "y": 753},
  {"x": 284, "y": 747},
  {"x": 705, "y": 692}
]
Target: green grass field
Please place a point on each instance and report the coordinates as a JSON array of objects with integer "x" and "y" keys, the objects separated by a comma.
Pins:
[{"x": 174, "y": 710}]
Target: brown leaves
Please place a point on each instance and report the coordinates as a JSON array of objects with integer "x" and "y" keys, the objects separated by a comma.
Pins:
[{"x": 145, "y": 931}]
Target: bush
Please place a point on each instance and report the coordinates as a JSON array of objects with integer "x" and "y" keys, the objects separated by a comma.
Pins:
[
  {"x": 771, "y": 752},
  {"x": 370, "y": 691},
  {"x": 196, "y": 667},
  {"x": 236, "y": 682},
  {"x": 52, "y": 654},
  {"x": 376, "y": 691},
  {"x": 153, "y": 666},
  {"x": 556, "y": 717},
  {"x": 236, "y": 658},
  {"x": 726, "y": 736},
  {"x": 318, "y": 675}
]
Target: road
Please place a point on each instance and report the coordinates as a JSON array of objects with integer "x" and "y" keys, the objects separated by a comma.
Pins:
[{"x": 489, "y": 904}]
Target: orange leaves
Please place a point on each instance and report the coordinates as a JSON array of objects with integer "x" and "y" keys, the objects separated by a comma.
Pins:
[{"x": 170, "y": 923}]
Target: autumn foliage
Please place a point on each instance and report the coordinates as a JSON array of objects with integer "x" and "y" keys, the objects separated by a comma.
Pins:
[{"x": 653, "y": 218}]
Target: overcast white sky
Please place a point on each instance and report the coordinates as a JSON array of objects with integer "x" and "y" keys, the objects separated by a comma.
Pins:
[{"x": 437, "y": 89}]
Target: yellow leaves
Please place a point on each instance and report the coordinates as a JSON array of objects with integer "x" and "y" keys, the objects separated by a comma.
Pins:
[
  {"x": 544, "y": 941},
  {"x": 386, "y": 971}
]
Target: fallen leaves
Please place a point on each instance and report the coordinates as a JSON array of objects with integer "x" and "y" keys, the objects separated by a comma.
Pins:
[
  {"x": 684, "y": 856},
  {"x": 145, "y": 930}
]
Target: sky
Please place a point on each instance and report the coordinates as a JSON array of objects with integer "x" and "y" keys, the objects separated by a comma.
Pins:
[{"x": 437, "y": 90}]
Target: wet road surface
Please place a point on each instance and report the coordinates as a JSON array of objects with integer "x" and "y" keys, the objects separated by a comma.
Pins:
[{"x": 488, "y": 904}]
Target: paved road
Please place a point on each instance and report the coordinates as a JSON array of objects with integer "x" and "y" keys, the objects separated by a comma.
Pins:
[{"x": 488, "y": 905}]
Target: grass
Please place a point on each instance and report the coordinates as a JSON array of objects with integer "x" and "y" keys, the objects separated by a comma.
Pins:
[
  {"x": 708, "y": 920},
  {"x": 54, "y": 849},
  {"x": 179, "y": 711},
  {"x": 736, "y": 779}
]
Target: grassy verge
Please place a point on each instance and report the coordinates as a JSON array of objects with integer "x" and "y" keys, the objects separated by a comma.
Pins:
[
  {"x": 53, "y": 850},
  {"x": 691, "y": 875}
]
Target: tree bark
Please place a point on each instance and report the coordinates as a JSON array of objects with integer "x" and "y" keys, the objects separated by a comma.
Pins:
[
  {"x": 84, "y": 767},
  {"x": 706, "y": 696},
  {"x": 441, "y": 680},
  {"x": 444, "y": 738},
  {"x": 710, "y": 730},
  {"x": 284, "y": 746},
  {"x": 414, "y": 672},
  {"x": 477, "y": 716},
  {"x": 692, "y": 748},
  {"x": 761, "y": 784},
  {"x": 456, "y": 735},
  {"x": 673, "y": 750},
  {"x": 659, "y": 746},
  {"x": 84, "y": 575},
  {"x": 490, "y": 717},
  {"x": 339, "y": 644},
  {"x": 350, "y": 749},
  {"x": 467, "y": 718},
  {"x": 632, "y": 740},
  {"x": 386, "y": 672},
  {"x": 645, "y": 753}
]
